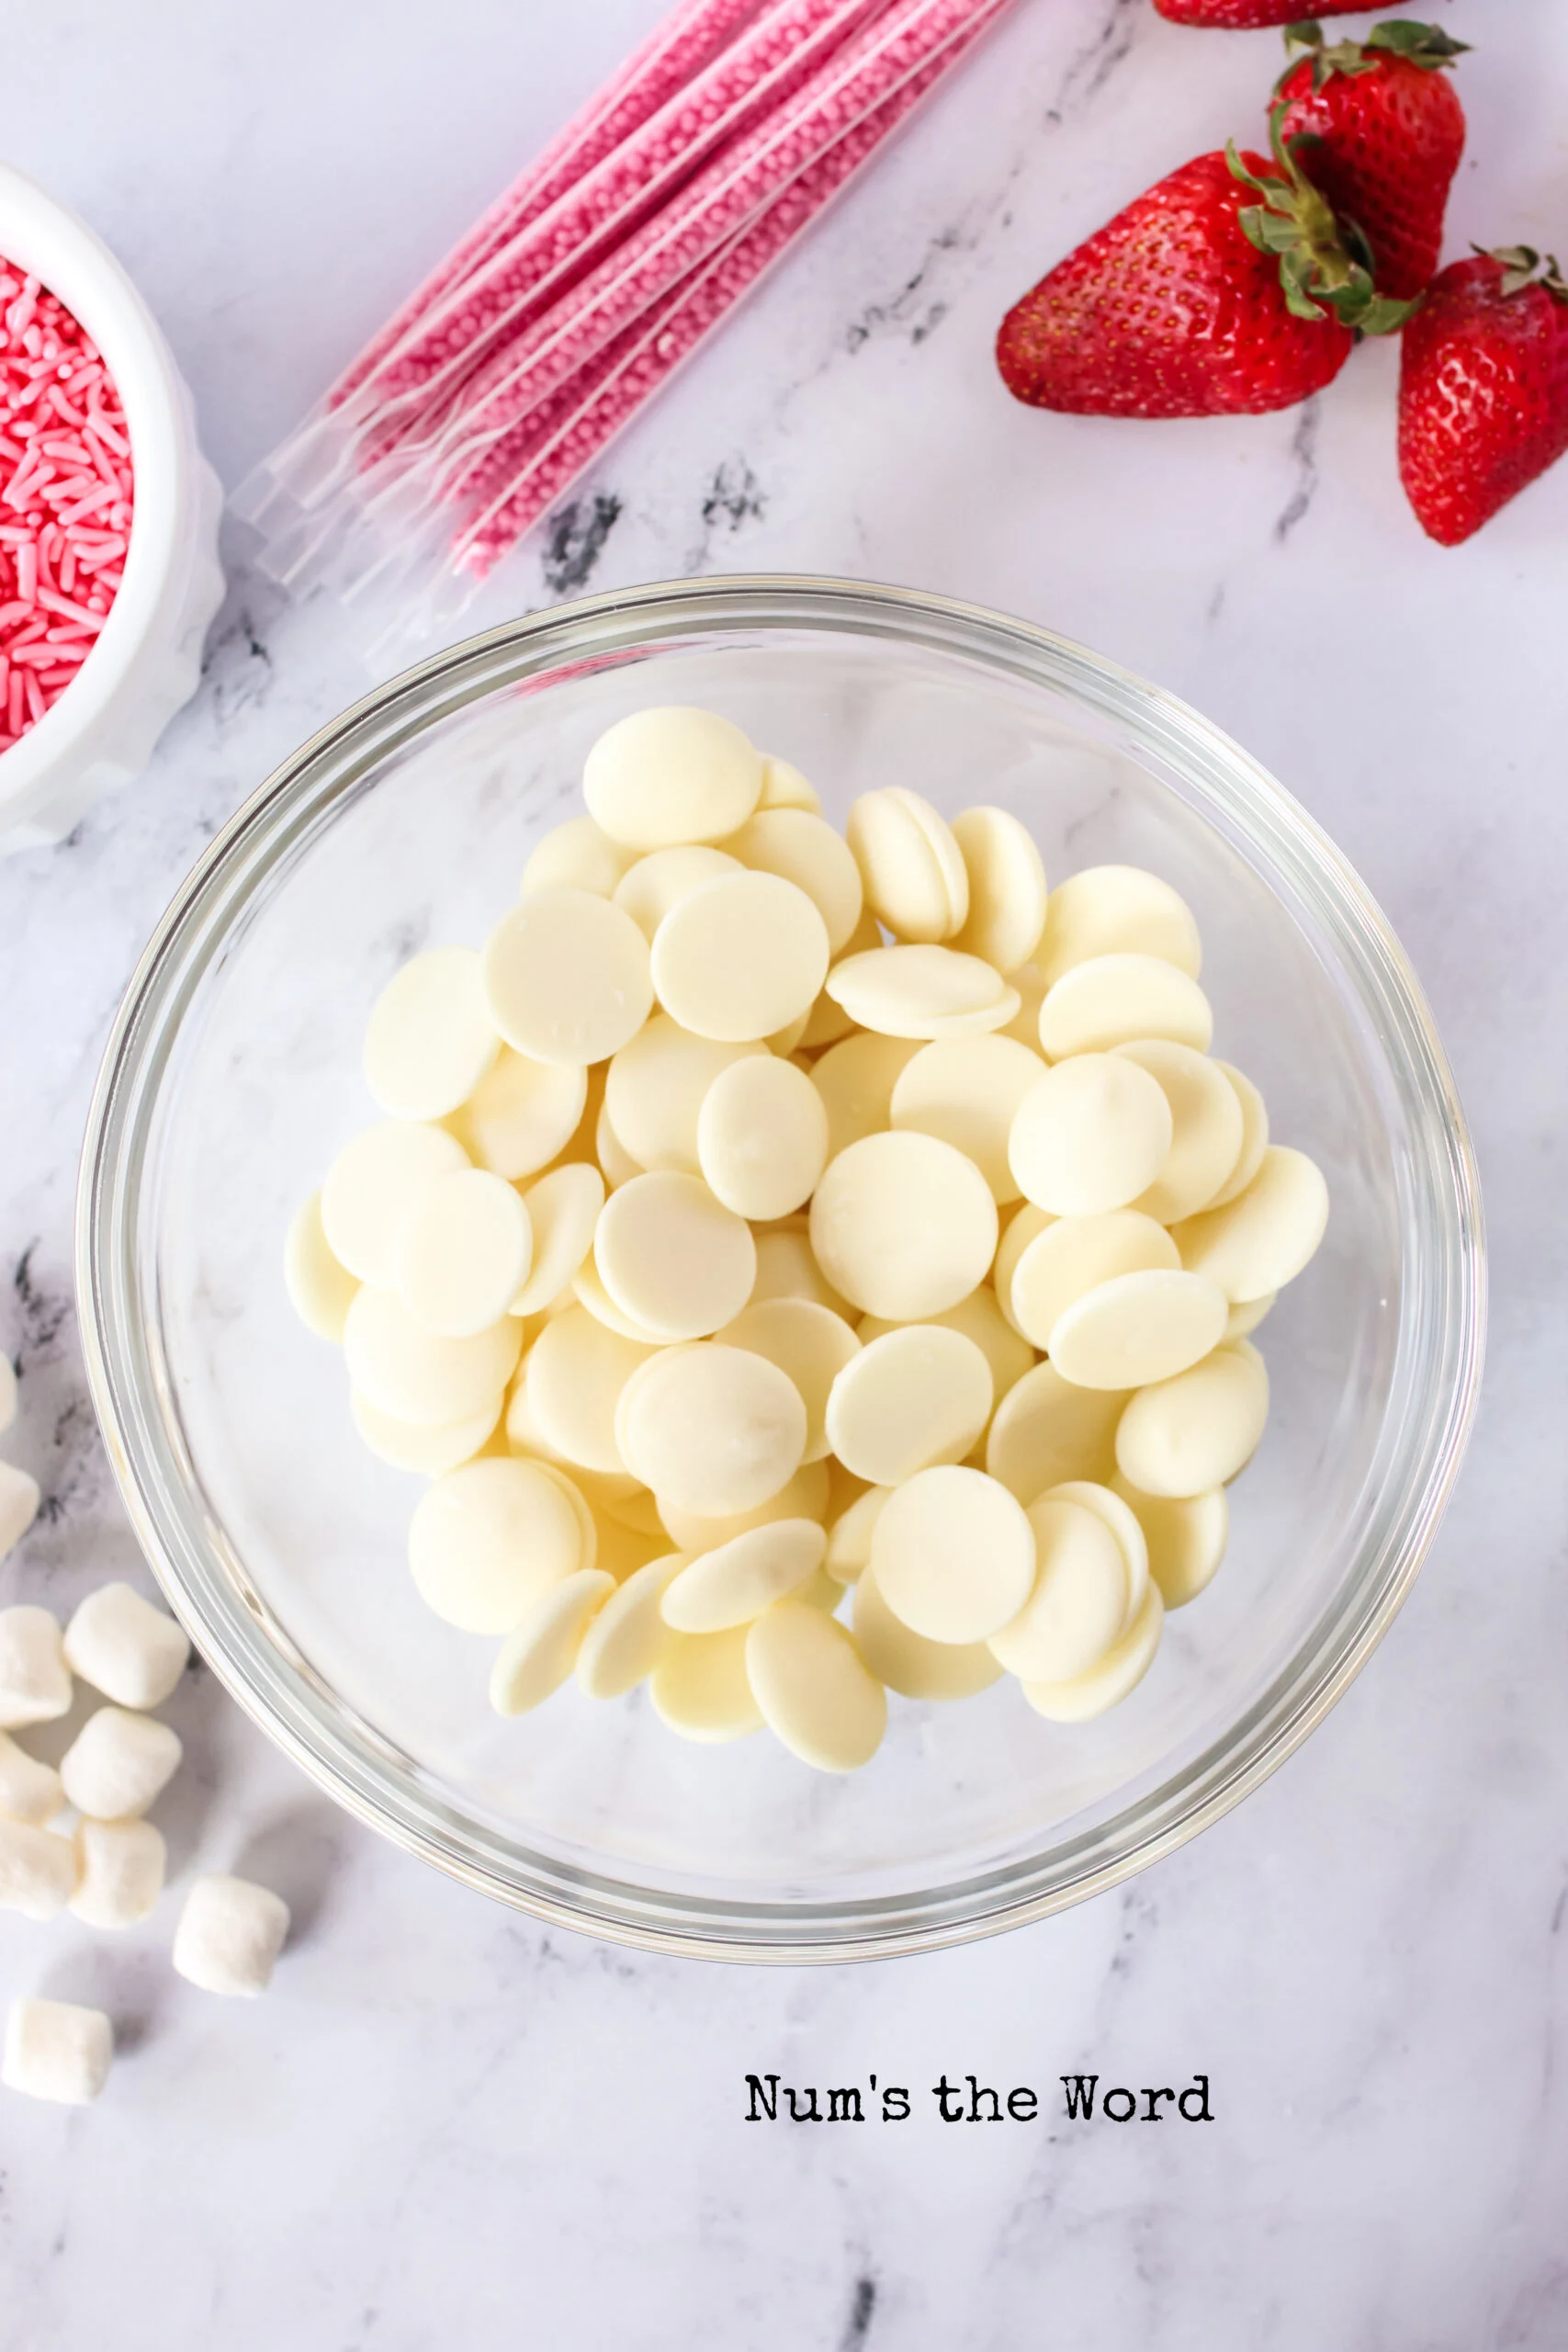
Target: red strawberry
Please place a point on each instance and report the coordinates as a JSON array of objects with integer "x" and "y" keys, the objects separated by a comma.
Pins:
[
  {"x": 1195, "y": 303},
  {"x": 1242, "y": 16},
  {"x": 1380, "y": 130},
  {"x": 1483, "y": 388}
]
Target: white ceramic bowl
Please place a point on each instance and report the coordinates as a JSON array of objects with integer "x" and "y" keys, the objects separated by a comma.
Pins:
[{"x": 147, "y": 661}]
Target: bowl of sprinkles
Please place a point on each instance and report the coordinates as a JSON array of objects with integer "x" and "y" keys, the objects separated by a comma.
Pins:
[
  {"x": 109, "y": 523},
  {"x": 67, "y": 493}
]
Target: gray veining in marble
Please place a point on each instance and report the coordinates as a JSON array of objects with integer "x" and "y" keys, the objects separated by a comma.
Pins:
[{"x": 446, "y": 2126}]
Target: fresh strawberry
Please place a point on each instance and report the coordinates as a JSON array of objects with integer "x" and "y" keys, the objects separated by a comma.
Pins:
[
  {"x": 1243, "y": 16},
  {"x": 1483, "y": 388},
  {"x": 1195, "y": 303},
  {"x": 1378, "y": 128}
]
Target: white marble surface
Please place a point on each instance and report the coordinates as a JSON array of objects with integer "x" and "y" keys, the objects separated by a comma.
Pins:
[{"x": 447, "y": 2127}]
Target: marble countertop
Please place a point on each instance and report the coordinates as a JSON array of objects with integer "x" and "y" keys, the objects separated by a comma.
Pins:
[{"x": 447, "y": 2126}]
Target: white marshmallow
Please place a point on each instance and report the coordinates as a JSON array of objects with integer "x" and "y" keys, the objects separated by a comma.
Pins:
[
  {"x": 54, "y": 2050},
  {"x": 118, "y": 1763},
  {"x": 18, "y": 1505},
  {"x": 28, "y": 1791},
  {"x": 122, "y": 1872},
  {"x": 125, "y": 1648},
  {"x": 35, "y": 1681},
  {"x": 229, "y": 1934},
  {"x": 37, "y": 1870}
]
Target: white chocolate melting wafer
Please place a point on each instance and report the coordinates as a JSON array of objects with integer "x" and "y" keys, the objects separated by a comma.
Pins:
[
  {"x": 903, "y": 1225},
  {"x": 907, "y": 1662},
  {"x": 541, "y": 1650},
  {"x": 954, "y": 1554},
  {"x": 1089, "y": 1135},
  {"x": 1261, "y": 1239},
  {"x": 1113, "y": 1000},
  {"x": 670, "y": 775},
  {"x": 431, "y": 1038},
  {"x": 1007, "y": 897},
  {"x": 741, "y": 956},
  {"x": 489, "y": 1539},
  {"x": 813, "y": 1688},
  {"x": 576, "y": 856},
  {"x": 566, "y": 977}
]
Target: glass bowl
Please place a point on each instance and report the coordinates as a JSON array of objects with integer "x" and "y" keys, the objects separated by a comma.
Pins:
[{"x": 232, "y": 1077}]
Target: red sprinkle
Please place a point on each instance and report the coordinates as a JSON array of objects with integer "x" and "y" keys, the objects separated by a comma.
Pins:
[{"x": 66, "y": 499}]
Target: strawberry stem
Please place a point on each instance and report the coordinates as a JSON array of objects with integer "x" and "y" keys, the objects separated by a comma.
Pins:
[
  {"x": 1522, "y": 266},
  {"x": 1424, "y": 45},
  {"x": 1323, "y": 261}
]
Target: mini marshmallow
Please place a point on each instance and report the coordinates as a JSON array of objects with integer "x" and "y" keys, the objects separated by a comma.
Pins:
[
  {"x": 8, "y": 1391},
  {"x": 35, "y": 1681},
  {"x": 28, "y": 1791},
  {"x": 56, "y": 2051},
  {"x": 18, "y": 1505},
  {"x": 229, "y": 1934},
  {"x": 131, "y": 1652},
  {"x": 121, "y": 1865},
  {"x": 118, "y": 1763},
  {"x": 37, "y": 1870}
]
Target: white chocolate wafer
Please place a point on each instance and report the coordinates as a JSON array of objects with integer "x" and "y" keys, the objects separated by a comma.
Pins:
[
  {"x": 954, "y": 1554},
  {"x": 431, "y": 1038},
  {"x": 813, "y": 1688},
  {"x": 671, "y": 775},
  {"x": 903, "y": 1225}
]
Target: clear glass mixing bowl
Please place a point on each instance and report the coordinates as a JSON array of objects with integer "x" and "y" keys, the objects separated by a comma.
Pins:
[{"x": 232, "y": 1077}]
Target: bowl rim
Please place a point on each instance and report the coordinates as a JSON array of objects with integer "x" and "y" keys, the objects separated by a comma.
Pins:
[{"x": 227, "y": 1620}]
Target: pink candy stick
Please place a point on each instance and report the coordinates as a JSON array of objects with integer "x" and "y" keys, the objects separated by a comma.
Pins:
[
  {"x": 686, "y": 40},
  {"x": 700, "y": 219},
  {"x": 742, "y": 87},
  {"x": 654, "y": 352}
]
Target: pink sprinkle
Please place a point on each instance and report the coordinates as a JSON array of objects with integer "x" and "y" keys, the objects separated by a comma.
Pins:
[
  {"x": 66, "y": 477},
  {"x": 53, "y": 603}
]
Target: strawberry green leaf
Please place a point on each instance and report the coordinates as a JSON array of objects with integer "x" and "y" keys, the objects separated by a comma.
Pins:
[
  {"x": 1295, "y": 273},
  {"x": 1345, "y": 56},
  {"x": 1325, "y": 262},
  {"x": 1384, "y": 315},
  {"x": 1425, "y": 45},
  {"x": 1253, "y": 218},
  {"x": 1522, "y": 266},
  {"x": 1240, "y": 171}
]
